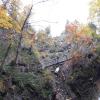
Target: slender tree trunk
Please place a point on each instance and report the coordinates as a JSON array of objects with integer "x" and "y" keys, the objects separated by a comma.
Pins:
[
  {"x": 20, "y": 39},
  {"x": 6, "y": 54}
]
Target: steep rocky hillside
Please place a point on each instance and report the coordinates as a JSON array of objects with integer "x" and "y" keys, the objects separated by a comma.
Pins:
[{"x": 76, "y": 79}]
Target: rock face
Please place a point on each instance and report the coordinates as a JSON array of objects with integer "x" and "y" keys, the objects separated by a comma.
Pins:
[{"x": 59, "y": 54}]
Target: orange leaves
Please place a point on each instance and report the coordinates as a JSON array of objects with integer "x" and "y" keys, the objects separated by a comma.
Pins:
[
  {"x": 78, "y": 33},
  {"x": 76, "y": 56},
  {"x": 80, "y": 36},
  {"x": 71, "y": 28},
  {"x": 33, "y": 38}
]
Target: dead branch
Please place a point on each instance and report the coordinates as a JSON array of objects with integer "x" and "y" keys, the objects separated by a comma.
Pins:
[
  {"x": 62, "y": 61},
  {"x": 42, "y": 1}
]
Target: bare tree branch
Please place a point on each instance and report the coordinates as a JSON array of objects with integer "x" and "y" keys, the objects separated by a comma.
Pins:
[
  {"x": 40, "y": 2},
  {"x": 62, "y": 61},
  {"x": 44, "y": 21}
]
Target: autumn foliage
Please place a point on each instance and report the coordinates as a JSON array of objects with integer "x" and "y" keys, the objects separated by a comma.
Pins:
[
  {"x": 78, "y": 32},
  {"x": 71, "y": 28},
  {"x": 5, "y": 20}
]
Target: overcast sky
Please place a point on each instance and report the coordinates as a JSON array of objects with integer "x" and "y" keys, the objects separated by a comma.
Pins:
[{"x": 58, "y": 11}]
